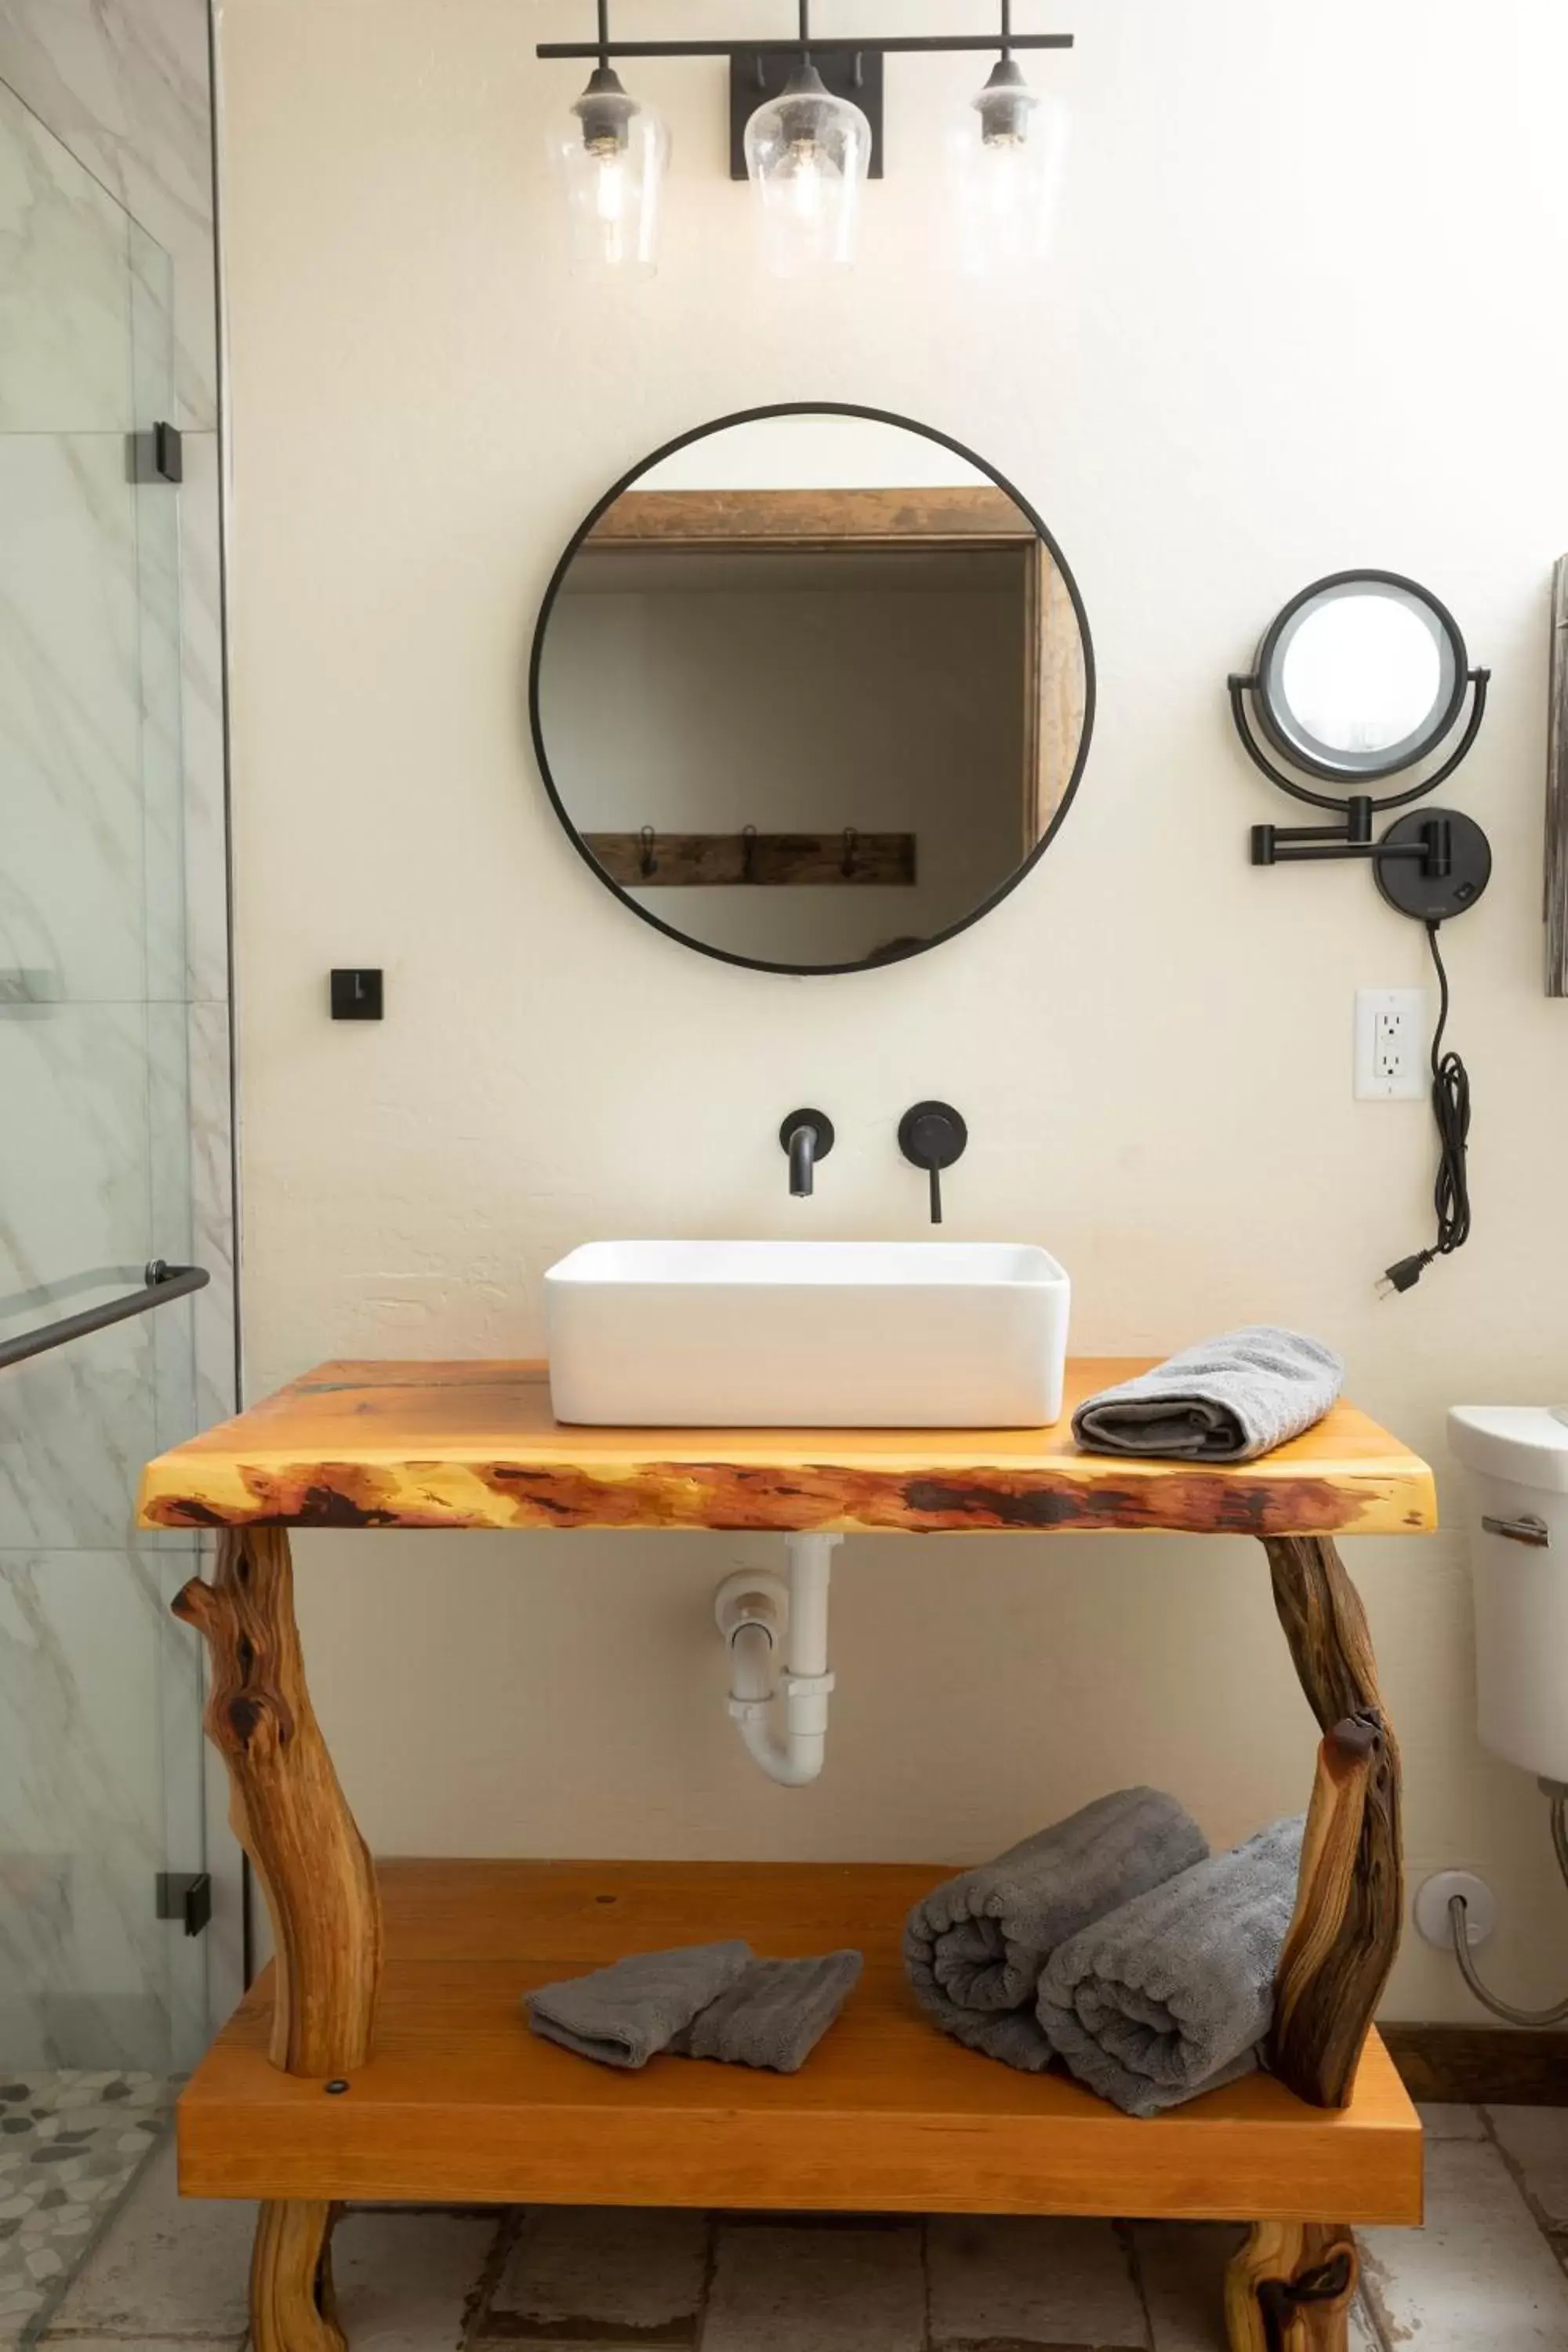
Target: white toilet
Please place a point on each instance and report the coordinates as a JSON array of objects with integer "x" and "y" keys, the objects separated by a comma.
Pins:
[{"x": 1517, "y": 1516}]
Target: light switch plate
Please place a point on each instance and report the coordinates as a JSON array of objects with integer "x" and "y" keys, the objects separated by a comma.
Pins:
[{"x": 1393, "y": 1044}]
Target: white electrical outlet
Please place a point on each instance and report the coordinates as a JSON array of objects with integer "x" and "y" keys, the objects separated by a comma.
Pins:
[{"x": 1393, "y": 1044}]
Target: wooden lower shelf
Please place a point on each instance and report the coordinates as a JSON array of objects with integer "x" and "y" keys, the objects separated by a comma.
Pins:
[{"x": 461, "y": 2103}]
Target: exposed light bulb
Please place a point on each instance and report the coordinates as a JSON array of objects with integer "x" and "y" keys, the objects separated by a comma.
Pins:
[
  {"x": 807, "y": 154},
  {"x": 1004, "y": 107},
  {"x": 610, "y": 191},
  {"x": 610, "y": 158},
  {"x": 1005, "y": 180}
]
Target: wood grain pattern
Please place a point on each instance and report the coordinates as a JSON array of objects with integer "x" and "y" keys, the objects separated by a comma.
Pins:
[
  {"x": 1290, "y": 2288},
  {"x": 1059, "y": 685},
  {"x": 292, "y": 2303},
  {"x": 476, "y": 1445},
  {"x": 876, "y": 861},
  {"x": 1350, "y": 1899},
  {"x": 980, "y": 515},
  {"x": 287, "y": 1808},
  {"x": 459, "y": 2102}
]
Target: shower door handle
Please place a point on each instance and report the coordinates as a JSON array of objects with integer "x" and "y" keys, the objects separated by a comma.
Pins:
[{"x": 161, "y": 1283}]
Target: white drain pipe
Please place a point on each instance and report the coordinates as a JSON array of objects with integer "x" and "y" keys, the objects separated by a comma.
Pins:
[{"x": 760, "y": 1618}]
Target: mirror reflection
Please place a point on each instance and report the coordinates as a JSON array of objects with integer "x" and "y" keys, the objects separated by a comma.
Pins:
[
  {"x": 812, "y": 690},
  {"x": 1360, "y": 675}
]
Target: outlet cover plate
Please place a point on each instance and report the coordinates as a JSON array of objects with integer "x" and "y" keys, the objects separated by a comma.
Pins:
[{"x": 1393, "y": 1045}]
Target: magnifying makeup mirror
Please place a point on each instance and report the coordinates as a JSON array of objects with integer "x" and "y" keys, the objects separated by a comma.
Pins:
[{"x": 1360, "y": 678}]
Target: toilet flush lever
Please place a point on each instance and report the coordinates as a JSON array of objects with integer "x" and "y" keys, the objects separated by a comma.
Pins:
[{"x": 1526, "y": 1530}]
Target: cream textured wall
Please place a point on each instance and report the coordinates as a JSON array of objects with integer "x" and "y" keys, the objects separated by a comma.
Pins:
[{"x": 1301, "y": 315}]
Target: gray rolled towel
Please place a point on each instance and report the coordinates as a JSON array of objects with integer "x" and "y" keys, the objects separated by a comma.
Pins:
[
  {"x": 1174, "y": 1994},
  {"x": 623, "y": 2014},
  {"x": 774, "y": 2015},
  {"x": 1225, "y": 1400},
  {"x": 974, "y": 1948}
]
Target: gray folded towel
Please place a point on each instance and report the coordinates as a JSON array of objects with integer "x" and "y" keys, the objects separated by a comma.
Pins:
[
  {"x": 774, "y": 2015},
  {"x": 974, "y": 1948},
  {"x": 621, "y": 2015},
  {"x": 1225, "y": 1399},
  {"x": 1174, "y": 1994}
]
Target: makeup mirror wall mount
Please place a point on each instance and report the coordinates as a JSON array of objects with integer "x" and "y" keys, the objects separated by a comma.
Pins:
[{"x": 811, "y": 687}]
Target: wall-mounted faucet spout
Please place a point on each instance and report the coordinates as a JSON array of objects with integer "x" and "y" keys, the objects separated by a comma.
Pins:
[{"x": 808, "y": 1137}]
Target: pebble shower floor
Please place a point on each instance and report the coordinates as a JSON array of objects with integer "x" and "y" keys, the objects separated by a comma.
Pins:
[{"x": 70, "y": 2142}]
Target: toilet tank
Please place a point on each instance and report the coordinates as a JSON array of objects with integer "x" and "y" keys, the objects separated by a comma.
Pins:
[{"x": 1516, "y": 1458}]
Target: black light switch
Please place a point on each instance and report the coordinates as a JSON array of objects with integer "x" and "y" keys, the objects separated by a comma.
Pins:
[{"x": 356, "y": 994}]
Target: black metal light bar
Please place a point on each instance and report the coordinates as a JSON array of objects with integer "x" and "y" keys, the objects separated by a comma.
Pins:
[
  {"x": 819, "y": 45},
  {"x": 163, "y": 1282}
]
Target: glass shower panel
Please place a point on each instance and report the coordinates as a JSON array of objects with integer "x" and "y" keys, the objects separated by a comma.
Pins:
[{"x": 101, "y": 1770}]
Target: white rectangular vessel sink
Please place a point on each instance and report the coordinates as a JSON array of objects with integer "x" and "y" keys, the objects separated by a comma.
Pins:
[{"x": 807, "y": 1335}]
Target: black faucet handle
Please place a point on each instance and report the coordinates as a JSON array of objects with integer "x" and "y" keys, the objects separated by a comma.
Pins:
[{"x": 933, "y": 1135}]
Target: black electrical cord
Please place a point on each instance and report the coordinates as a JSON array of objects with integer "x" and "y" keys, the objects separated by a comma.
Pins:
[{"x": 1451, "y": 1112}]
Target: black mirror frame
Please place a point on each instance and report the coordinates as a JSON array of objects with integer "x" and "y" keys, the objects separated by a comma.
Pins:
[{"x": 702, "y": 432}]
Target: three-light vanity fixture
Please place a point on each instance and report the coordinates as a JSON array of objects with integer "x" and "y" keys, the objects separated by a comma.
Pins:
[{"x": 805, "y": 119}]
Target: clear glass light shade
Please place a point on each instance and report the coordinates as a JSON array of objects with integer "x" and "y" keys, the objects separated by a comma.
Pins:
[
  {"x": 1004, "y": 170},
  {"x": 807, "y": 154},
  {"x": 609, "y": 156}
]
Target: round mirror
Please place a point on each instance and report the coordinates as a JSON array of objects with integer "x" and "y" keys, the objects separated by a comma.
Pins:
[
  {"x": 812, "y": 688},
  {"x": 1361, "y": 676}
]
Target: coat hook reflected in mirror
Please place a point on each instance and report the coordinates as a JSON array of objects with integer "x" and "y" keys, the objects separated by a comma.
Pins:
[
  {"x": 851, "y": 843},
  {"x": 748, "y": 853},
  {"x": 648, "y": 862}
]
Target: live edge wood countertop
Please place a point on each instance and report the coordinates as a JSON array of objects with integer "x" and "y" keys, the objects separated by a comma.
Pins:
[{"x": 476, "y": 1445}]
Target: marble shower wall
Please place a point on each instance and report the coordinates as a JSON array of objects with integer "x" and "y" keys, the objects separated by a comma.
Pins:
[
  {"x": 114, "y": 1033},
  {"x": 125, "y": 85}
]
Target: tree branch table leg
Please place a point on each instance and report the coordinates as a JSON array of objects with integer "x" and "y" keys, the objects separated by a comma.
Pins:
[
  {"x": 315, "y": 1872},
  {"x": 1351, "y": 1895},
  {"x": 1290, "y": 2288},
  {"x": 292, "y": 2305}
]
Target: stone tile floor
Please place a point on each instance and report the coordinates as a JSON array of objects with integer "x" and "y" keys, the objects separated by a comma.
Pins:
[
  {"x": 69, "y": 2143},
  {"x": 1490, "y": 2273}
]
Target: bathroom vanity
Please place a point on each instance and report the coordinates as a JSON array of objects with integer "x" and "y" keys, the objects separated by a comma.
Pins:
[{"x": 385, "y": 2055}]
